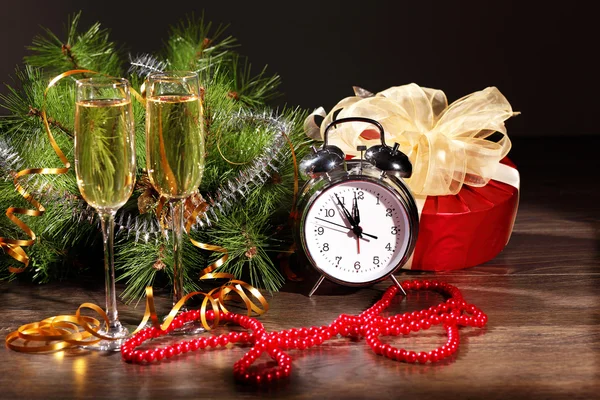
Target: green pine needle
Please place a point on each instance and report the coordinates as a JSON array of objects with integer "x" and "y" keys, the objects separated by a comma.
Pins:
[{"x": 253, "y": 231}]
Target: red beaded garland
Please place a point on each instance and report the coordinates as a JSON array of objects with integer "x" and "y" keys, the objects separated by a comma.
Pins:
[{"x": 451, "y": 314}]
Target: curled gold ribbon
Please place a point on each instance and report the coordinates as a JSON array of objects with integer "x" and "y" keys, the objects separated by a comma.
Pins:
[
  {"x": 14, "y": 247},
  {"x": 59, "y": 332}
]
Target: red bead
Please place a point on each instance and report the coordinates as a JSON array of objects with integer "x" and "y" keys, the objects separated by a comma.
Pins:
[
  {"x": 449, "y": 318},
  {"x": 377, "y": 347},
  {"x": 415, "y": 326},
  {"x": 139, "y": 356},
  {"x": 405, "y": 329},
  {"x": 177, "y": 323},
  {"x": 185, "y": 347},
  {"x": 126, "y": 354},
  {"x": 401, "y": 356},
  {"x": 177, "y": 348},
  {"x": 411, "y": 357},
  {"x": 390, "y": 352},
  {"x": 434, "y": 356},
  {"x": 442, "y": 352},
  {"x": 169, "y": 352},
  {"x": 149, "y": 355},
  {"x": 422, "y": 357}
]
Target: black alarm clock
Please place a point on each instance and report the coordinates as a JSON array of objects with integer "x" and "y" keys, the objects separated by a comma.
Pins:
[{"x": 358, "y": 221}]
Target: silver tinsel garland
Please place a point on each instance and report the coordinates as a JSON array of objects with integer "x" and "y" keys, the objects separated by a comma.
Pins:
[{"x": 146, "y": 227}]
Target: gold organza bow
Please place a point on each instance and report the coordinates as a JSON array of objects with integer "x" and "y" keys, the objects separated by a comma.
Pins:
[{"x": 448, "y": 145}]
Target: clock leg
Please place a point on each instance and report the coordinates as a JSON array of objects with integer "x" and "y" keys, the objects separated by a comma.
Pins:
[
  {"x": 314, "y": 289},
  {"x": 393, "y": 278}
]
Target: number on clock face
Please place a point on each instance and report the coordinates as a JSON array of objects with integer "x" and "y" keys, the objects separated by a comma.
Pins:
[{"x": 357, "y": 231}]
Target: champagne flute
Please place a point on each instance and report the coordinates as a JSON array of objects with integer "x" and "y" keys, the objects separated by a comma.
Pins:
[
  {"x": 175, "y": 152},
  {"x": 105, "y": 169}
]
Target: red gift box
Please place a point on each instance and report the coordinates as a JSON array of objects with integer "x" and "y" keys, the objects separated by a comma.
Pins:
[{"x": 466, "y": 229}]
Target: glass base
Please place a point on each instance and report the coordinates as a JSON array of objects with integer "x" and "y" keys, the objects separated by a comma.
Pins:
[
  {"x": 118, "y": 332},
  {"x": 188, "y": 328}
]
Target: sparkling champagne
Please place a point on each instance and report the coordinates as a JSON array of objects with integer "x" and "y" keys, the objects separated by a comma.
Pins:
[
  {"x": 174, "y": 144},
  {"x": 105, "y": 159}
]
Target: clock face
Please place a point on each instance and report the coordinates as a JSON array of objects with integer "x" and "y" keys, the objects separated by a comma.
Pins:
[{"x": 356, "y": 231}]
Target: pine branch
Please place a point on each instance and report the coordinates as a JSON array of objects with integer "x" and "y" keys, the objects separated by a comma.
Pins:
[
  {"x": 88, "y": 50},
  {"x": 246, "y": 241},
  {"x": 255, "y": 90},
  {"x": 249, "y": 169},
  {"x": 51, "y": 121}
]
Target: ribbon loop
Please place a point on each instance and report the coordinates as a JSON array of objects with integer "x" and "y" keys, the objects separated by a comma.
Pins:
[{"x": 448, "y": 145}]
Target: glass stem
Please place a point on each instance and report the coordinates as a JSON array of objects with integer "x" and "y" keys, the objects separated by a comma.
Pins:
[
  {"x": 108, "y": 222},
  {"x": 177, "y": 218}
]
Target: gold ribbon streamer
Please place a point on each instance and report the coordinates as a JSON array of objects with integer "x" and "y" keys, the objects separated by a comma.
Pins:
[{"x": 64, "y": 330}]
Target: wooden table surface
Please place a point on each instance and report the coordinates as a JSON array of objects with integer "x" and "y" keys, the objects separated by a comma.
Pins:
[{"x": 541, "y": 294}]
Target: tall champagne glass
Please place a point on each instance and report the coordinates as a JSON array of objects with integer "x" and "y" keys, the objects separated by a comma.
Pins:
[
  {"x": 175, "y": 149},
  {"x": 105, "y": 168}
]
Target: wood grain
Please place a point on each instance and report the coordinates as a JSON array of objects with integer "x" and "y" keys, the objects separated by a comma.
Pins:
[{"x": 541, "y": 294}]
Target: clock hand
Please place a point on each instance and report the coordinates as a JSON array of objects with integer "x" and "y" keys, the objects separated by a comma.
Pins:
[
  {"x": 344, "y": 226},
  {"x": 346, "y": 213},
  {"x": 332, "y": 223},
  {"x": 355, "y": 211}
]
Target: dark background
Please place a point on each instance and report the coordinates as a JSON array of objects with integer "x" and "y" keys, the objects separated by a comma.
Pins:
[{"x": 539, "y": 55}]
